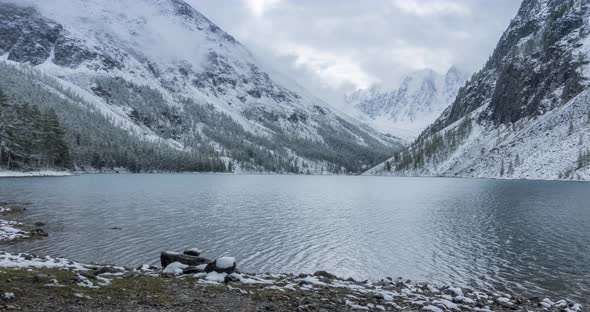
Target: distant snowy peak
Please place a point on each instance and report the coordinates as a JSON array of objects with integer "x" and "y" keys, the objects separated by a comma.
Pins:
[{"x": 421, "y": 97}]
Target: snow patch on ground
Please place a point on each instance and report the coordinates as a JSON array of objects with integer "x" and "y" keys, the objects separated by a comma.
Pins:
[
  {"x": 10, "y": 230},
  {"x": 20, "y": 260}
]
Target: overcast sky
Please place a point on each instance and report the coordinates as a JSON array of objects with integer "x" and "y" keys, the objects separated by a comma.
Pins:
[{"x": 337, "y": 46}]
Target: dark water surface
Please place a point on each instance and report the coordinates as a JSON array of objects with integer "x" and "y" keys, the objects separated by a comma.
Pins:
[{"x": 528, "y": 236}]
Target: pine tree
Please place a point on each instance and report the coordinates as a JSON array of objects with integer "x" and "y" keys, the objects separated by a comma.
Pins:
[
  {"x": 55, "y": 145},
  {"x": 8, "y": 141},
  {"x": 4, "y": 126},
  {"x": 502, "y": 168},
  {"x": 571, "y": 128},
  {"x": 387, "y": 166}
]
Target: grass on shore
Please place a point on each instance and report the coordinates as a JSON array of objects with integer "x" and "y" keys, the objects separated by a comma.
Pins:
[{"x": 145, "y": 293}]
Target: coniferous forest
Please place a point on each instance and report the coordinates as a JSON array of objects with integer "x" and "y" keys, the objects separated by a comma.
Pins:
[{"x": 45, "y": 127}]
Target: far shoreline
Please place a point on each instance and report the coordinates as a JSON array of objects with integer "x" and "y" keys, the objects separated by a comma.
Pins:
[{"x": 56, "y": 173}]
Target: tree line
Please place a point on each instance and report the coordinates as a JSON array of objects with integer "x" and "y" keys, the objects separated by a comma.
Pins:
[
  {"x": 431, "y": 149},
  {"x": 31, "y": 138}
]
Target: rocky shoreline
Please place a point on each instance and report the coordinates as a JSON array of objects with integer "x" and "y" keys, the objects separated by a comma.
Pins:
[
  {"x": 197, "y": 276},
  {"x": 11, "y": 230},
  {"x": 188, "y": 274}
]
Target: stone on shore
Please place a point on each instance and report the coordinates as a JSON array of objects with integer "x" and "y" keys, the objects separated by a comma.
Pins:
[
  {"x": 193, "y": 252},
  {"x": 168, "y": 257},
  {"x": 194, "y": 269},
  {"x": 325, "y": 274},
  {"x": 8, "y": 296},
  {"x": 222, "y": 265}
]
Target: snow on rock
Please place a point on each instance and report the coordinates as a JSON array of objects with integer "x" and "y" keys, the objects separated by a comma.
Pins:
[
  {"x": 10, "y": 230},
  {"x": 504, "y": 300},
  {"x": 313, "y": 280},
  {"x": 446, "y": 304},
  {"x": 225, "y": 262},
  {"x": 432, "y": 308},
  {"x": 357, "y": 307},
  {"x": 83, "y": 281},
  {"x": 8, "y": 296},
  {"x": 222, "y": 265},
  {"x": 456, "y": 291},
  {"x": 174, "y": 268},
  {"x": 216, "y": 277}
]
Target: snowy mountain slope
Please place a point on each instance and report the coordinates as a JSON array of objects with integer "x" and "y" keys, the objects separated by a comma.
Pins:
[
  {"x": 162, "y": 69},
  {"x": 525, "y": 114},
  {"x": 420, "y": 99}
]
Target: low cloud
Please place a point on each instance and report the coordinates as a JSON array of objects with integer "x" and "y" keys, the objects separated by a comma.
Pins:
[
  {"x": 431, "y": 7},
  {"x": 334, "y": 47},
  {"x": 259, "y": 7},
  {"x": 334, "y": 70}
]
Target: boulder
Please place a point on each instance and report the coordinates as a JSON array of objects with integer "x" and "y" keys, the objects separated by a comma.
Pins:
[
  {"x": 194, "y": 269},
  {"x": 222, "y": 265},
  {"x": 230, "y": 278},
  {"x": 8, "y": 296},
  {"x": 168, "y": 257},
  {"x": 193, "y": 252},
  {"x": 108, "y": 270},
  {"x": 325, "y": 274}
]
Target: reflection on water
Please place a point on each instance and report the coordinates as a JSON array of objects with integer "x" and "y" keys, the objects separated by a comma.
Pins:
[{"x": 526, "y": 236}]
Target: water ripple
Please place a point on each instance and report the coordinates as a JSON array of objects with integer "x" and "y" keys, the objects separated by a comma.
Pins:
[{"x": 530, "y": 237}]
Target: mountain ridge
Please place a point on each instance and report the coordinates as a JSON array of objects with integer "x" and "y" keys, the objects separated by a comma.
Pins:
[
  {"x": 508, "y": 121},
  {"x": 157, "y": 66}
]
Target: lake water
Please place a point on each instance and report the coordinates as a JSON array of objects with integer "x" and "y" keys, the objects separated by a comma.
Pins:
[{"x": 531, "y": 237}]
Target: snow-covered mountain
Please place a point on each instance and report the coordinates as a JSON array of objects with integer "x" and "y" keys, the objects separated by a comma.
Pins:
[
  {"x": 526, "y": 114},
  {"x": 421, "y": 97},
  {"x": 163, "y": 71}
]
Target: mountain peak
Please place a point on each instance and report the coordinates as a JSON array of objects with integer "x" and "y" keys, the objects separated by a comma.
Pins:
[{"x": 420, "y": 99}]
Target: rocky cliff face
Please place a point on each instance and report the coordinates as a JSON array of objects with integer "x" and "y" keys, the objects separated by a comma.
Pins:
[
  {"x": 420, "y": 99},
  {"x": 160, "y": 67},
  {"x": 538, "y": 71}
]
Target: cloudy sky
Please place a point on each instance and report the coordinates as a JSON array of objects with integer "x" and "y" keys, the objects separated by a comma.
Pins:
[{"x": 336, "y": 46}]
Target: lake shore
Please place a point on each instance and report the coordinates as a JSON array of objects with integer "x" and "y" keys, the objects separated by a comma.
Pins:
[
  {"x": 11, "y": 230},
  {"x": 36, "y": 173},
  {"x": 33, "y": 283},
  {"x": 41, "y": 283}
]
